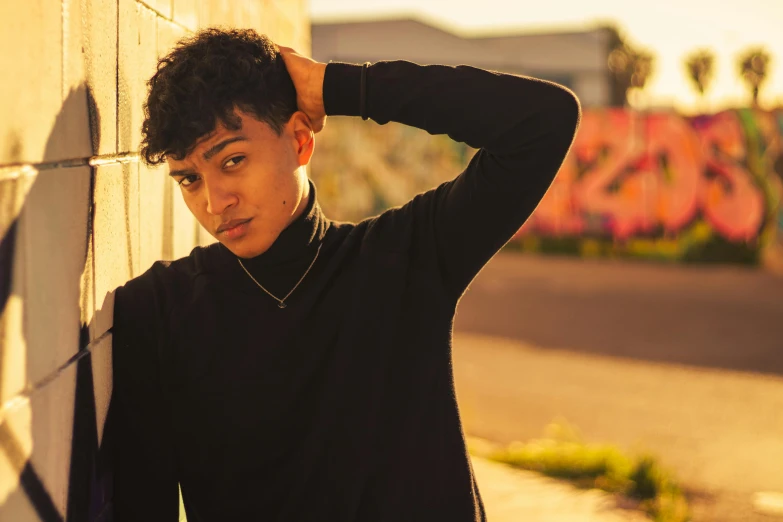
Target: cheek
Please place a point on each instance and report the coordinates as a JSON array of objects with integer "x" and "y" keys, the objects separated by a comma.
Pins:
[
  {"x": 269, "y": 187},
  {"x": 197, "y": 206}
]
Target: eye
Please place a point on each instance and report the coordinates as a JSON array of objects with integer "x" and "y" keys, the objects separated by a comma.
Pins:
[
  {"x": 233, "y": 162},
  {"x": 188, "y": 180}
]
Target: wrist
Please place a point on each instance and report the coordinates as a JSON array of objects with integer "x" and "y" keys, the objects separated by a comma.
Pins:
[
  {"x": 341, "y": 89},
  {"x": 316, "y": 88}
]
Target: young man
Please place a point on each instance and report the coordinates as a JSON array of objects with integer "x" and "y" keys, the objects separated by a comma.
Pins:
[{"x": 299, "y": 369}]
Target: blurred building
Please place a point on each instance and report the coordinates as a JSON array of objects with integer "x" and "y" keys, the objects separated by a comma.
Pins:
[{"x": 576, "y": 59}]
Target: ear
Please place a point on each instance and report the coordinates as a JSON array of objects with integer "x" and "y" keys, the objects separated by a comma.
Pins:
[{"x": 305, "y": 137}]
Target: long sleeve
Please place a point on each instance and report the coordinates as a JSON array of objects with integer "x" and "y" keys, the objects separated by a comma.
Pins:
[
  {"x": 522, "y": 126},
  {"x": 145, "y": 482}
]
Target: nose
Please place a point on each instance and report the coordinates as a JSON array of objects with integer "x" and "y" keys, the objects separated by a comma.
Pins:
[{"x": 219, "y": 198}]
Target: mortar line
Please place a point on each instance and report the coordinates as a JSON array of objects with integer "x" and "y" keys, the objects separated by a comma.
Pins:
[
  {"x": 15, "y": 170},
  {"x": 161, "y": 15},
  {"x": 24, "y": 396},
  {"x": 117, "y": 80},
  {"x": 108, "y": 159},
  {"x": 8, "y": 174}
]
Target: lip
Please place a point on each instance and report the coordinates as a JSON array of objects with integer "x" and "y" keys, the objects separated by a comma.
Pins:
[{"x": 233, "y": 228}]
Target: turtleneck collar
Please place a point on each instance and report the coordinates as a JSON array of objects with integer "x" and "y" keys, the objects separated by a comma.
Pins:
[{"x": 296, "y": 242}]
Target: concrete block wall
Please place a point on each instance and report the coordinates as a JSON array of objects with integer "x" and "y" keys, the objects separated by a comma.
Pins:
[{"x": 79, "y": 216}]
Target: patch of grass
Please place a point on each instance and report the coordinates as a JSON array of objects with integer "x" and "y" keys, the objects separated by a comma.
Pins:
[{"x": 638, "y": 477}]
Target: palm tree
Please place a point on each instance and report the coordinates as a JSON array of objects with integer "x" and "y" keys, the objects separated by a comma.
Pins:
[
  {"x": 631, "y": 67},
  {"x": 753, "y": 67},
  {"x": 701, "y": 68}
]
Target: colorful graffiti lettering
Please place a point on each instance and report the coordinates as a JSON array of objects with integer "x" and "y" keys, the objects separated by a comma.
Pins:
[{"x": 632, "y": 174}]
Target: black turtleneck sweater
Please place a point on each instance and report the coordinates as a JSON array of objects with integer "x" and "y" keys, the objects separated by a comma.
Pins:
[{"x": 340, "y": 407}]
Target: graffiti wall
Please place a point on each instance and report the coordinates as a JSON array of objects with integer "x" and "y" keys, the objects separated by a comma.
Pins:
[
  {"x": 702, "y": 189},
  {"x": 654, "y": 185}
]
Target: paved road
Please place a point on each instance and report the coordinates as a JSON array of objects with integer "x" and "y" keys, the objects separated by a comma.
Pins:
[{"x": 685, "y": 362}]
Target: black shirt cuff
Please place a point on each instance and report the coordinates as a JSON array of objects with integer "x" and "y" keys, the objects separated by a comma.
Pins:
[{"x": 341, "y": 89}]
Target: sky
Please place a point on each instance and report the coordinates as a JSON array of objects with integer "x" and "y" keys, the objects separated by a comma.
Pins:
[{"x": 671, "y": 29}]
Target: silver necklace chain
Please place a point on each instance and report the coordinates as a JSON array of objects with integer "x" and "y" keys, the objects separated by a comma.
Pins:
[{"x": 281, "y": 302}]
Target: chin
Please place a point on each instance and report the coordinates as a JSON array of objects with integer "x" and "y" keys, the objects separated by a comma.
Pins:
[
  {"x": 244, "y": 252},
  {"x": 246, "y": 248}
]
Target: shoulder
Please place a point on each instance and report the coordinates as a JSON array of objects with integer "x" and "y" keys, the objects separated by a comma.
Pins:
[
  {"x": 153, "y": 295},
  {"x": 147, "y": 308}
]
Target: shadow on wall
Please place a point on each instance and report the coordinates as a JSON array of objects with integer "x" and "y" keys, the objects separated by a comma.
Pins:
[{"x": 45, "y": 264}]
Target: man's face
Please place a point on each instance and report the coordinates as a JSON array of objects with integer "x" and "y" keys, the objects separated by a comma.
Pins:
[{"x": 246, "y": 186}]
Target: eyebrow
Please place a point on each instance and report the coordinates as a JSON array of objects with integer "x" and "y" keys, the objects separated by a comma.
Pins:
[
  {"x": 222, "y": 145},
  {"x": 209, "y": 154},
  {"x": 181, "y": 172}
]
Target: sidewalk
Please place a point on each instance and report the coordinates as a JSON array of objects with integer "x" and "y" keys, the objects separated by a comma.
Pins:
[{"x": 512, "y": 495}]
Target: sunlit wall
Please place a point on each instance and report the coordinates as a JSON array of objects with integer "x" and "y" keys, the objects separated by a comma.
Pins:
[{"x": 79, "y": 215}]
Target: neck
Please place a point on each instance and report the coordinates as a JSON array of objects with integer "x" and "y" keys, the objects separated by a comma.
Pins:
[{"x": 304, "y": 200}]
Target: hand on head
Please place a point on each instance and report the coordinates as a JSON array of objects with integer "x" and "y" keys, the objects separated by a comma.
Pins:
[{"x": 308, "y": 78}]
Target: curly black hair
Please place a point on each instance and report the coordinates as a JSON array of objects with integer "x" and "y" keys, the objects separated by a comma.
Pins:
[{"x": 203, "y": 80}]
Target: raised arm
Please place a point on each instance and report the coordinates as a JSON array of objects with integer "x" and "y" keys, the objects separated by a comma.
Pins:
[{"x": 522, "y": 126}]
